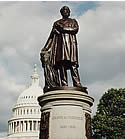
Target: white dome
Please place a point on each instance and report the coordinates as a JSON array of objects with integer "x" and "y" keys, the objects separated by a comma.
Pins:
[
  {"x": 29, "y": 96},
  {"x": 25, "y": 120}
]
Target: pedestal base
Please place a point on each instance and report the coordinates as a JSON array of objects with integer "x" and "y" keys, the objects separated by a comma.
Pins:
[{"x": 65, "y": 114}]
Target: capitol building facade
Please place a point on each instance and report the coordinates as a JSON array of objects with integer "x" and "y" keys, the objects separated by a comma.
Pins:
[{"x": 25, "y": 121}]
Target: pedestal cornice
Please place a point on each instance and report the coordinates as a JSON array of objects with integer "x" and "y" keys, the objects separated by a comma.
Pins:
[{"x": 67, "y": 93}]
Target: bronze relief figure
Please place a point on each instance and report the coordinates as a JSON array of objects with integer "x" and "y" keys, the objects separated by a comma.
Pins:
[{"x": 61, "y": 48}]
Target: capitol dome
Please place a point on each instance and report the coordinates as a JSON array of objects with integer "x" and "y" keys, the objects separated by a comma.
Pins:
[{"x": 25, "y": 121}]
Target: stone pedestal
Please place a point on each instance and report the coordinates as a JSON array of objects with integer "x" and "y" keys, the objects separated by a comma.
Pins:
[{"x": 65, "y": 114}]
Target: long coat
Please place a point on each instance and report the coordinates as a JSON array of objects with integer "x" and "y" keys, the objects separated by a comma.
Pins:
[{"x": 62, "y": 43}]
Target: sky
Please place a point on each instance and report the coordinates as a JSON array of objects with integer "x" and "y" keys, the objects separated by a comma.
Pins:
[{"x": 24, "y": 29}]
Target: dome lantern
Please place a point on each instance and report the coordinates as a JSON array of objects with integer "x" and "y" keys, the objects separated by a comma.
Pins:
[{"x": 35, "y": 76}]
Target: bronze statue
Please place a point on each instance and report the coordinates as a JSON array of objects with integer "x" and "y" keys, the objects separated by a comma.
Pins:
[{"x": 62, "y": 48}]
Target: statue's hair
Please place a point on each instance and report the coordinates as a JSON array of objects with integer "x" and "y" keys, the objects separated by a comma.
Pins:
[{"x": 61, "y": 10}]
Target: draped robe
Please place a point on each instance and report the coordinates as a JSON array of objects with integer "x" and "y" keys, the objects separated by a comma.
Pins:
[{"x": 62, "y": 43}]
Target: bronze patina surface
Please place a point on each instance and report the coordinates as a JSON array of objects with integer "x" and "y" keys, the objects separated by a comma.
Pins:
[{"x": 60, "y": 53}]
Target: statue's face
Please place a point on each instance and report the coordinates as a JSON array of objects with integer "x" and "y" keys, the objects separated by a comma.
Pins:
[{"x": 65, "y": 12}]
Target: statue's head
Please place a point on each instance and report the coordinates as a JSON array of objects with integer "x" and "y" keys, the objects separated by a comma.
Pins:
[{"x": 65, "y": 11}]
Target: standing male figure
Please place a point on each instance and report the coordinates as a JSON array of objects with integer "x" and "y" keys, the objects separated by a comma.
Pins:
[{"x": 62, "y": 45}]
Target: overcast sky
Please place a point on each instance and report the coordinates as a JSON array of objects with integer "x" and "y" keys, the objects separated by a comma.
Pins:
[{"x": 24, "y": 29}]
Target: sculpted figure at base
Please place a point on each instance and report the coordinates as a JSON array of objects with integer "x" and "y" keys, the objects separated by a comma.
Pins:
[
  {"x": 62, "y": 49},
  {"x": 50, "y": 73}
]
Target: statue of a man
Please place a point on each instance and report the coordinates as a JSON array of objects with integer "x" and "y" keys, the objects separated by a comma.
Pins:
[{"x": 62, "y": 46}]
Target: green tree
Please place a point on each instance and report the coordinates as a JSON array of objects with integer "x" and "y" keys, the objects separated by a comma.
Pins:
[{"x": 109, "y": 121}]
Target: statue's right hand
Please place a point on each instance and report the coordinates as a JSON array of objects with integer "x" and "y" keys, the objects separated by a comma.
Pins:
[{"x": 44, "y": 49}]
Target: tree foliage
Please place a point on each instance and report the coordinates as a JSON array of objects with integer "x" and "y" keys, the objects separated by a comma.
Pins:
[{"x": 109, "y": 121}]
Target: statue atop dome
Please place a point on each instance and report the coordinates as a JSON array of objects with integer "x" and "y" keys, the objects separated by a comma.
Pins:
[
  {"x": 35, "y": 76},
  {"x": 60, "y": 53}
]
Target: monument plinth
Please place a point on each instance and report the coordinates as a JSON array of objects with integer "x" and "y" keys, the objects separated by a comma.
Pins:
[
  {"x": 65, "y": 111},
  {"x": 65, "y": 114}
]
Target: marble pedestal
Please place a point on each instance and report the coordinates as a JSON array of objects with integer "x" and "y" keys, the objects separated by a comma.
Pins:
[{"x": 65, "y": 114}]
